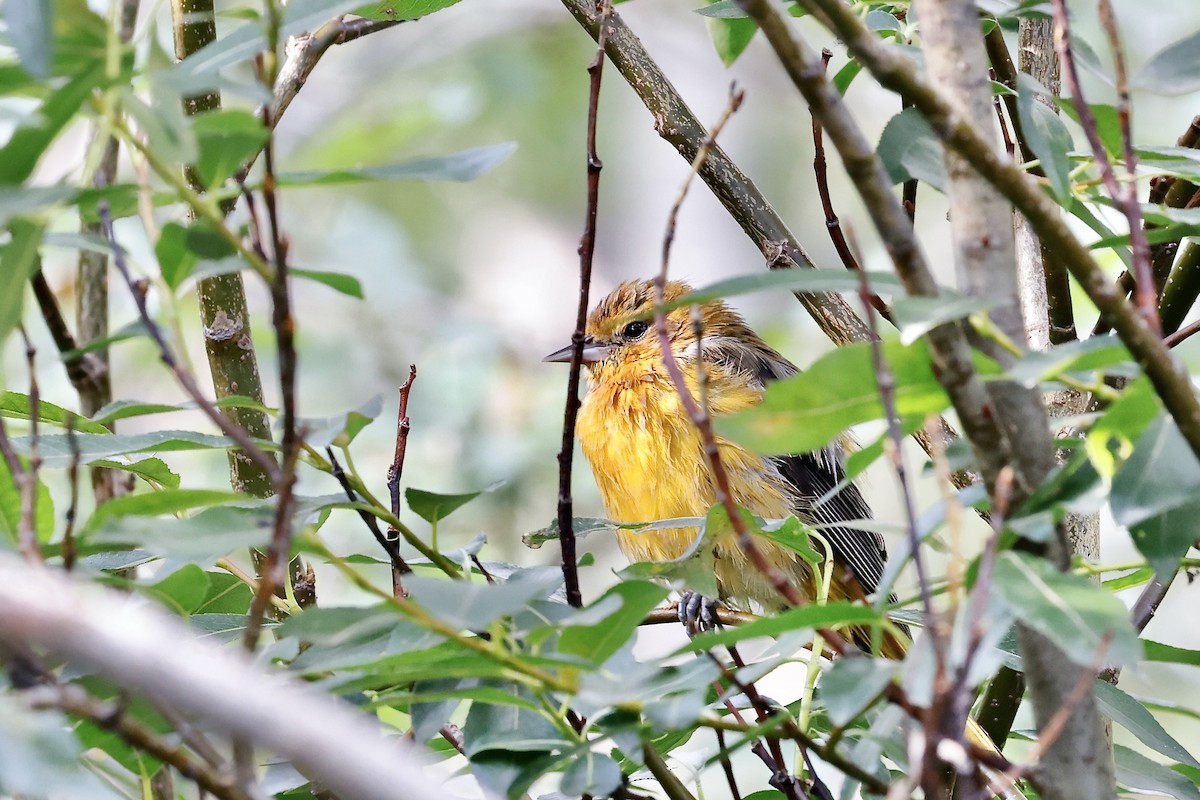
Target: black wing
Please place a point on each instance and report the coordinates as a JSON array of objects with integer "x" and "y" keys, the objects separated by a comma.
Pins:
[{"x": 813, "y": 476}]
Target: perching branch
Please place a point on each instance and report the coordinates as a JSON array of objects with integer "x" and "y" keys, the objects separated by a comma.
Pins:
[
  {"x": 391, "y": 543},
  {"x": 587, "y": 250},
  {"x": 152, "y": 655}
]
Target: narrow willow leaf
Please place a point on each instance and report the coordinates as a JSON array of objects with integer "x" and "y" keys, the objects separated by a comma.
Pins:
[
  {"x": 1137, "y": 719},
  {"x": 16, "y": 406},
  {"x": 466, "y": 165},
  {"x": 1173, "y": 70},
  {"x": 1135, "y": 771},
  {"x": 1069, "y": 609},
  {"x": 598, "y": 642},
  {"x": 30, "y": 32},
  {"x": 18, "y": 260}
]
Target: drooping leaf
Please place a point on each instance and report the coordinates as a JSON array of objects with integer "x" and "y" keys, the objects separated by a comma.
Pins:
[
  {"x": 722, "y": 9},
  {"x": 1173, "y": 70},
  {"x": 909, "y": 149},
  {"x": 30, "y": 31},
  {"x": 153, "y": 504},
  {"x": 1112, "y": 437},
  {"x": 340, "y": 430},
  {"x": 466, "y": 165},
  {"x": 477, "y": 605},
  {"x": 1156, "y": 494},
  {"x": 806, "y": 412},
  {"x": 18, "y": 260},
  {"x": 792, "y": 280},
  {"x": 1047, "y": 136},
  {"x": 433, "y": 507},
  {"x": 917, "y": 316},
  {"x": 512, "y": 728},
  {"x": 1137, "y": 719},
  {"x": 851, "y": 684},
  {"x": 11, "y": 506},
  {"x": 730, "y": 35},
  {"x": 599, "y": 641},
  {"x": 16, "y": 405},
  {"x": 1069, "y": 609},
  {"x": 591, "y": 773},
  {"x": 338, "y": 281},
  {"x": 225, "y": 138},
  {"x": 20, "y": 155},
  {"x": 1135, "y": 771}
]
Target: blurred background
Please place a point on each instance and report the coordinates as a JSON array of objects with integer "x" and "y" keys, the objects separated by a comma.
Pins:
[{"x": 476, "y": 282}]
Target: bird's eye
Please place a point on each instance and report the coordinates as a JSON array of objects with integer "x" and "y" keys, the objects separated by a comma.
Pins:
[{"x": 635, "y": 329}]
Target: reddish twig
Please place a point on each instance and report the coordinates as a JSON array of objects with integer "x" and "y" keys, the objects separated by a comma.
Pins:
[
  {"x": 395, "y": 471},
  {"x": 1182, "y": 334},
  {"x": 27, "y": 478},
  {"x": 68, "y": 540},
  {"x": 1144, "y": 292},
  {"x": 587, "y": 250}
]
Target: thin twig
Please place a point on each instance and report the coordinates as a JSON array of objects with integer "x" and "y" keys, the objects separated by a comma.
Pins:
[
  {"x": 27, "y": 478},
  {"x": 68, "y": 540},
  {"x": 832, "y": 224},
  {"x": 1182, "y": 334},
  {"x": 1144, "y": 292},
  {"x": 228, "y": 427},
  {"x": 390, "y": 545},
  {"x": 587, "y": 249},
  {"x": 395, "y": 471},
  {"x": 1147, "y": 603}
]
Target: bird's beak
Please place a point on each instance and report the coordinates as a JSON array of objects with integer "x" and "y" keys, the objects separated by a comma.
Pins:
[{"x": 593, "y": 351}]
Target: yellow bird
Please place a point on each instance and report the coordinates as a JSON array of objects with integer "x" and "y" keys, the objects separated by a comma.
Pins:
[{"x": 649, "y": 462}]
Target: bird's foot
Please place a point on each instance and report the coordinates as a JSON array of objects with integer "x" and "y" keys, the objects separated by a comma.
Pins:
[{"x": 697, "y": 612}]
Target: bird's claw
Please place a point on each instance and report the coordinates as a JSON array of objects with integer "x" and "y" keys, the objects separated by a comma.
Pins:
[{"x": 697, "y": 612}]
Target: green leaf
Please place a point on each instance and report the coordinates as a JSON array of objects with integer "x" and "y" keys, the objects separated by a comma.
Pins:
[
  {"x": 846, "y": 75},
  {"x": 227, "y": 594},
  {"x": 590, "y": 773},
  {"x": 1137, "y": 719},
  {"x": 340, "y": 282},
  {"x": 181, "y": 591},
  {"x": 789, "y": 532},
  {"x": 39, "y": 754},
  {"x": 909, "y": 149},
  {"x": 10, "y": 506},
  {"x": 18, "y": 260},
  {"x": 226, "y": 138},
  {"x": 433, "y": 507},
  {"x": 512, "y": 728},
  {"x": 132, "y": 330},
  {"x": 466, "y": 165},
  {"x": 1048, "y": 137},
  {"x": 402, "y": 9},
  {"x": 1085, "y": 355},
  {"x": 124, "y": 409},
  {"x": 582, "y": 526},
  {"x": 58, "y": 452},
  {"x": 808, "y": 411},
  {"x": 830, "y": 615},
  {"x": 15, "y": 405},
  {"x": 1112, "y": 436},
  {"x": 30, "y": 32},
  {"x": 731, "y": 36},
  {"x": 1108, "y": 124},
  {"x": 1170, "y": 654},
  {"x": 1069, "y": 609},
  {"x": 1156, "y": 494},
  {"x": 598, "y": 642},
  {"x": 24, "y": 149},
  {"x": 722, "y": 9},
  {"x": 852, "y": 684},
  {"x": 153, "y": 470},
  {"x": 1173, "y": 70},
  {"x": 1135, "y": 771},
  {"x": 792, "y": 280},
  {"x": 477, "y": 605},
  {"x": 917, "y": 316},
  {"x": 153, "y": 504},
  {"x": 203, "y": 538}
]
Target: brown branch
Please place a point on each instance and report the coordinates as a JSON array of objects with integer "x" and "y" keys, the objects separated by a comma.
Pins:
[
  {"x": 832, "y": 224},
  {"x": 27, "y": 477},
  {"x": 676, "y": 123},
  {"x": 587, "y": 250},
  {"x": 1182, "y": 334},
  {"x": 1144, "y": 291},
  {"x": 395, "y": 471},
  {"x": 68, "y": 539},
  {"x": 112, "y": 717}
]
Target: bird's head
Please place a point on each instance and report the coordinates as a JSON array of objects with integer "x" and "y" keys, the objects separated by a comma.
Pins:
[{"x": 620, "y": 329}]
